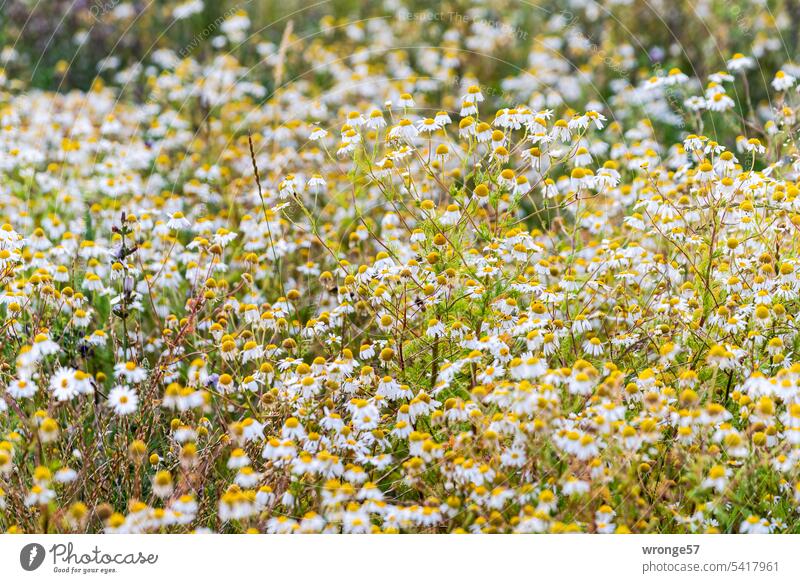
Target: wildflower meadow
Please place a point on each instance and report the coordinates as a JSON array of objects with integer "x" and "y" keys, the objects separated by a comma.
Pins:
[{"x": 399, "y": 267}]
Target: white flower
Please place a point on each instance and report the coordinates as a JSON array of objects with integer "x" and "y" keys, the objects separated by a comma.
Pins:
[
  {"x": 755, "y": 525},
  {"x": 375, "y": 120},
  {"x": 65, "y": 475},
  {"x": 291, "y": 185},
  {"x": 63, "y": 384},
  {"x": 130, "y": 372},
  {"x": 178, "y": 222},
  {"x": 435, "y": 328},
  {"x": 740, "y": 63},
  {"x": 473, "y": 95},
  {"x": 316, "y": 184},
  {"x": 405, "y": 130},
  {"x": 317, "y": 134},
  {"x": 235, "y": 26},
  {"x": 405, "y": 101},
  {"x": 442, "y": 119},
  {"x": 782, "y": 81},
  {"x": 44, "y": 346},
  {"x": 39, "y": 496},
  {"x": 717, "y": 479},
  {"x": 247, "y": 478},
  {"x": 22, "y": 388},
  {"x": 719, "y": 102},
  {"x": 123, "y": 400}
]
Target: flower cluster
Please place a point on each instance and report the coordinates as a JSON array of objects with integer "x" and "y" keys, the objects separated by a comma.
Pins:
[{"x": 401, "y": 303}]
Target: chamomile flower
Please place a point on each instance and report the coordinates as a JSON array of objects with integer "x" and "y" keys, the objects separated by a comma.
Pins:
[
  {"x": 63, "y": 384},
  {"x": 782, "y": 81},
  {"x": 178, "y": 222},
  {"x": 130, "y": 372}
]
